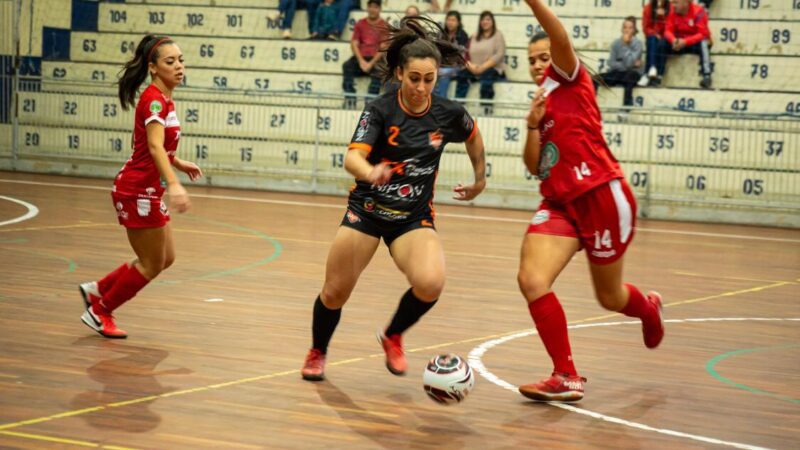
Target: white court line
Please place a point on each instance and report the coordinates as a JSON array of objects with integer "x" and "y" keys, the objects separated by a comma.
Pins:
[
  {"x": 457, "y": 216},
  {"x": 477, "y": 353},
  {"x": 33, "y": 211}
]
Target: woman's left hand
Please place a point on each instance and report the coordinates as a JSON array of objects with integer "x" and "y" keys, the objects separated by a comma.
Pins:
[
  {"x": 473, "y": 69},
  {"x": 468, "y": 192},
  {"x": 191, "y": 169}
]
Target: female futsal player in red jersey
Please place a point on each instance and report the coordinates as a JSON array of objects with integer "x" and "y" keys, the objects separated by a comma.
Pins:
[
  {"x": 137, "y": 189},
  {"x": 394, "y": 156},
  {"x": 587, "y": 204}
]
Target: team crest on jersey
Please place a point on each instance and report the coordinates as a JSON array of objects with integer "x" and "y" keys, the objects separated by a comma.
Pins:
[
  {"x": 541, "y": 217},
  {"x": 547, "y": 160},
  {"x": 435, "y": 139},
  {"x": 155, "y": 107}
]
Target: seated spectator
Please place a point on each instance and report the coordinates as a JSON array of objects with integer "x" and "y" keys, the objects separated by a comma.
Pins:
[
  {"x": 325, "y": 21},
  {"x": 368, "y": 34},
  {"x": 654, "y": 22},
  {"x": 412, "y": 11},
  {"x": 687, "y": 32},
  {"x": 344, "y": 7},
  {"x": 625, "y": 61},
  {"x": 486, "y": 64},
  {"x": 286, "y": 10},
  {"x": 456, "y": 34},
  {"x": 706, "y": 3}
]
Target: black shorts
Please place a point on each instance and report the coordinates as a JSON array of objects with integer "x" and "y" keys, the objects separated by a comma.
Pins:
[{"x": 389, "y": 231}]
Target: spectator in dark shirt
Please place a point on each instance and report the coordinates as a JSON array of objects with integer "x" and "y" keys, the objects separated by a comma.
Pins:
[
  {"x": 457, "y": 35},
  {"x": 687, "y": 32},
  {"x": 368, "y": 34},
  {"x": 625, "y": 60}
]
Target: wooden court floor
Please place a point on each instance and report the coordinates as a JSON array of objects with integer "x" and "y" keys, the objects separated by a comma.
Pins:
[{"x": 216, "y": 343}]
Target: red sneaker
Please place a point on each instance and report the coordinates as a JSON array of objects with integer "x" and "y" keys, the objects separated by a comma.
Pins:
[
  {"x": 654, "y": 333},
  {"x": 560, "y": 387},
  {"x": 395, "y": 357},
  {"x": 99, "y": 320},
  {"x": 314, "y": 367},
  {"x": 90, "y": 293}
]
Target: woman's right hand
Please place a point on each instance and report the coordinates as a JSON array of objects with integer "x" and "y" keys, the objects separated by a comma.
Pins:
[
  {"x": 538, "y": 106},
  {"x": 379, "y": 175},
  {"x": 178, "y": 197}
]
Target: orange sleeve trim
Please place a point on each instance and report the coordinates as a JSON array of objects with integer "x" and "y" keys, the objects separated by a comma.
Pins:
[
  {"x": 360, "y": 146},
  {"x": 474, "y": 130}
]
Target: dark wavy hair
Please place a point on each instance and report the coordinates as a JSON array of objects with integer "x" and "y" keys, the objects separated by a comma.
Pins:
[
  {"x": 135, "y": 71},
  {"x": 487, "y": 13},
  {"x": 457, "y": 15},
  {"x": 417, "y": 37}
]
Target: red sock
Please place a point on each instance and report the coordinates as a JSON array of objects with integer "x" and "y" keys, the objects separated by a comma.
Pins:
[
  {"x": 128, "y": 284},
  {"x": 638, "y": 305},
  {"x": 548, "y": 315},
  {"x": 105, "y": 284}
]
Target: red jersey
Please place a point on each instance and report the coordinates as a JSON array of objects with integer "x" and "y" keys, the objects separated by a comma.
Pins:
[
  {"x": 654, "y": 27},
  {"x": 368, "y": 37},
  {"x": 692, "y": 27},
  {"x": 574, "y": 155},
  {"x": 139, "y": 176}
]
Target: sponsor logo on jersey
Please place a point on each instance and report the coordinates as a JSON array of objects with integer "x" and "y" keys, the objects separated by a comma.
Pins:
[
  {"x": 150, "y": 191},
  {"x": 163, "y": 209},
  {"x": 467, "y": 122},
  {"x": 172, "y": 120},
  {"x": 369, "y": 204},
  {"x": 120, "y": 212},
  {"x": 143, "y": 207},
  {"x": 363, "y": 126},
  {"x": 541, "y": 217},
  {"x": 547, "y": 160},
  {"x": 435, "y": 139},
  {"x": 405, "y": 190},
  {"x": 409, "y": 167},
  {"x": 391, "y": 214},
  {"x": 155, "y": 107},
  {"x": 352, "y": 218}
]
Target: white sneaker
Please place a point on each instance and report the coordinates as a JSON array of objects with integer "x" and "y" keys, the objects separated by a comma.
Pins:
[
  {"x": 90, "y": 293},
  {"x": 287, "y": 34},
  {"x": 644, "y": 81},
  {"x": 652, "y": 73}
]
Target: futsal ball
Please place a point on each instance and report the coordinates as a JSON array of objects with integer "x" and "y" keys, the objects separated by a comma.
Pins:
[{"x": 448, "y": 379}]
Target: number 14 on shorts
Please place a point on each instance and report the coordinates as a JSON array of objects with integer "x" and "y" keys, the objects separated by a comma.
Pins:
[{"x": 602, "y": 239}]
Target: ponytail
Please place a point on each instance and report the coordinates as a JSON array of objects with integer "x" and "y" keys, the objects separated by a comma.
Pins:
[
  {"x": 135, "y": 71},
  {"x": 417, "y": 37}
]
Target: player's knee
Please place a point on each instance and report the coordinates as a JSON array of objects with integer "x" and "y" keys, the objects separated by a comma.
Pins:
[
  {"x": 168, "y": 261},
  {"x": 611, "y": 300},
  {"x": 333, "y": 296},
  {"x": 152, "y": 267},
  {"x": 532, "y": 285},
  {"x": 428, "y": 288}
]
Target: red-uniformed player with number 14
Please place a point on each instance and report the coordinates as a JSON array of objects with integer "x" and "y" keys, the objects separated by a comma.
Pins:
[
  {"x": 137, "y": 189},
  {"x": 587, "y": 205}
]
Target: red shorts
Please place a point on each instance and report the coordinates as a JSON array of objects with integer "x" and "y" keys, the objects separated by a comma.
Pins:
[
  {"x": 140, "y": 212},
  {"x": 602, "y": 219}
]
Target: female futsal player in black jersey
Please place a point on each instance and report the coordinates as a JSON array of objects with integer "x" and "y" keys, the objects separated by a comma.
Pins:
[{"x": 394, "y": 156}]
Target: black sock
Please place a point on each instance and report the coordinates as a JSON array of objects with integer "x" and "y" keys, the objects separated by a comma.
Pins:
[
  {"x": 408, "y": 313},
  {"x": 324, "y": 324}
]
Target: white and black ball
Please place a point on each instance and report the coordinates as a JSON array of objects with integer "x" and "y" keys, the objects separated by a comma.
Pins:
[{"x": 448, "y": 379}]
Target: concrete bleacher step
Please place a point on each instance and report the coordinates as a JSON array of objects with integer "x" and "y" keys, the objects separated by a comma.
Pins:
[
  {"x": 284, "y": 157},
  {"x": 265, "y": 81},
  {"x": 588, "y": 32},
  {"x": 731, "y": 71},
  {"x": 752, "y": 9},
  {"x": 638, "y": 140}
]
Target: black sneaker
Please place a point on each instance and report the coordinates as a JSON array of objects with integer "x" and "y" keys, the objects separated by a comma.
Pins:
[{"x": 705, "y": 83}]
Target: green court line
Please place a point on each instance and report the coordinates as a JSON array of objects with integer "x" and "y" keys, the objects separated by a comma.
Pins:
[
  {"x": 71, "y": 264},
  {"x": 713, "y": 372},
  {"x": 278, "y": 249}
]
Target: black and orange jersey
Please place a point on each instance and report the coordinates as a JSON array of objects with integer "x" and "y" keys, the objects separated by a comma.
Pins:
[{"x": 412, "y": 144}]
